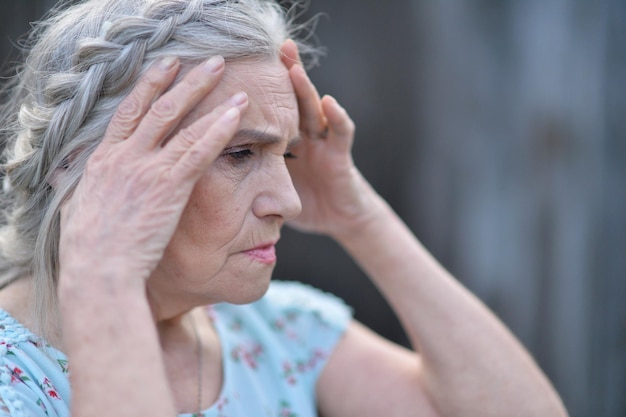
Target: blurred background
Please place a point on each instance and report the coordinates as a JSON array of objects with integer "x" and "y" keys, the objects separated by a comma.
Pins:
[{"x": 497, "y": 131}]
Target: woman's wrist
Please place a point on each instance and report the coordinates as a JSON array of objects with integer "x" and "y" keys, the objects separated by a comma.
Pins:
[
  {"x": 79, "y": 279},
  {"x": 363, "y": 225}
]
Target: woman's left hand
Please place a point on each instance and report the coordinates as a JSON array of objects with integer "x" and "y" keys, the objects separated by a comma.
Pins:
[{"x": 336, "y": 199}]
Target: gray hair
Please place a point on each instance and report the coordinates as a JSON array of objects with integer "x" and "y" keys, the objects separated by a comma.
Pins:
[{"x": 82, "y": 61}]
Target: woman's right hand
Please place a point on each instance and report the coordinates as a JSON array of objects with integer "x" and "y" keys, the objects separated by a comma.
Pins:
[{"x": 137, "y": 182}]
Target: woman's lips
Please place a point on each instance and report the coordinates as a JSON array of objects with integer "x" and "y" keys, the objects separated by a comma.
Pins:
[{"x": 264, "y": 254}]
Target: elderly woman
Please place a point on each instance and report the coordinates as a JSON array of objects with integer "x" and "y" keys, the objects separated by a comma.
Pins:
[{"x": 154, "y": 150}]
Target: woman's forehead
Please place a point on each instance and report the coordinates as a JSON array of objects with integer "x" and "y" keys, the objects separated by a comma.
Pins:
[
  {"x": 262, "y": 78},
  {"x": 271, "y": 96},
  {"x": 272, "y": 100}
]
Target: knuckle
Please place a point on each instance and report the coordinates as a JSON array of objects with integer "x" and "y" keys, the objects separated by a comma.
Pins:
[
  {"x": 195, "y": 159},
  {"x": 186, "y": 137},
  {"x": 125, "y": 119},
  {"x": 152, "y": 81},
  {"x": 129, "y": 110},
  {"x": 164, "y": 108}
]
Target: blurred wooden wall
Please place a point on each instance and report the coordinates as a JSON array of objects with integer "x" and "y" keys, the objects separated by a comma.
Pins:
[
  {"x": 522, "y": 164},
  {"x": 497, "y": 130}
]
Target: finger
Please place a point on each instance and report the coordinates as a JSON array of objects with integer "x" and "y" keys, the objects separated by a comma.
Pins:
[
  {"x": 165, "y": 113},
  {"x": 187, "y": 136},
  {"x": 132, "y": 109},
  {"x": 340, "y": 126},
  {"x": 289, "y": 54},
  {"x": 195, "y": 147},
  {"x": 312, "y": 120}
]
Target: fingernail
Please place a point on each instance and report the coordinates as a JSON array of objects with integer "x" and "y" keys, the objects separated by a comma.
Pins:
[
  {"x": 239, "y": 98},
  {"x": 168, "y": 63},
  {"x": 214, "y": 64}
]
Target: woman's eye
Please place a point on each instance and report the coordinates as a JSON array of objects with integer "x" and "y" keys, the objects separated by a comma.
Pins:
[
  {"x": 240, "y": 155},
  {"x": 289, "y": 155}
]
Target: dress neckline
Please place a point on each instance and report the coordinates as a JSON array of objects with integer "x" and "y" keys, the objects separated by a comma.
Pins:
[{"x": 12, "y": 331}]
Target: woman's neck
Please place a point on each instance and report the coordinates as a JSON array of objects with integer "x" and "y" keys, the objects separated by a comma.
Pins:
[{"x": 16, "y": 299}]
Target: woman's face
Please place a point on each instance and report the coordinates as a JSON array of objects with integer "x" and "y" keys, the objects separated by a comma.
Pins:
[{"x": 223, "y": 248}]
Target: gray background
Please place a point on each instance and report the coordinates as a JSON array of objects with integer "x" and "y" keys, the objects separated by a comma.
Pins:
[{"x": 497, "y": 130}]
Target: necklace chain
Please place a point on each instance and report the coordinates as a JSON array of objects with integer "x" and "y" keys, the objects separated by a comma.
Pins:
[{"x": 199, "y": 353}]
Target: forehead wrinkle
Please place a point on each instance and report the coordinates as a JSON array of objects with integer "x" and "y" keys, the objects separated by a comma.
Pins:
[
  {"x": 256, "y": 79},
  {"x": 248, "y": 75},
  {"x": 272, "y": 101}
]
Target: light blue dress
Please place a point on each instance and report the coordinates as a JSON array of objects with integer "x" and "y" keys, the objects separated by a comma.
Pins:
[{"x": 273, "y": 353}]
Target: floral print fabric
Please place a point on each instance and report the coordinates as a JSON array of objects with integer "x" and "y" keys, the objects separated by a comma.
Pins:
[
  {"x": 273, "y": 353},
  {"x": 33, "y": 375}
]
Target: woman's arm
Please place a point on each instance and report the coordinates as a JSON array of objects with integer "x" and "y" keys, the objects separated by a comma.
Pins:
[
  {"x": 468, "y": 364},
  {"x": 115, "y": 228}
]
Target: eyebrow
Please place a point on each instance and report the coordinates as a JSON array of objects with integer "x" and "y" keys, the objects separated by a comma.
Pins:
[{"x": 263, "y": 138}]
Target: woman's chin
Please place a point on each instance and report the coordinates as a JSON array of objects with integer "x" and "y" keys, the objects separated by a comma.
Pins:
[{"x": 250, "y": 291}]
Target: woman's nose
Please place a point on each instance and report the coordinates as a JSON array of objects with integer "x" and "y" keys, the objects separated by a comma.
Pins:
[{"x": 277, "y": 195}]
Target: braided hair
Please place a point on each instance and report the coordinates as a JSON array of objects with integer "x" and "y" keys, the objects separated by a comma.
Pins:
[{"x": 83, "y": 59}]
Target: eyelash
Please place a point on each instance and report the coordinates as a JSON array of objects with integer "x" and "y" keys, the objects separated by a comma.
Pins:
[{"x": 240, "y": 155}]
